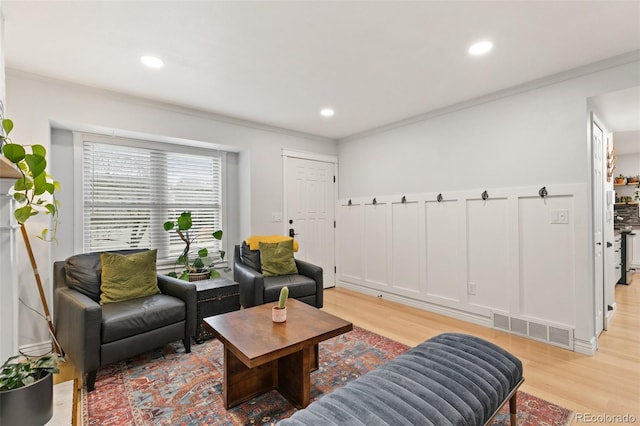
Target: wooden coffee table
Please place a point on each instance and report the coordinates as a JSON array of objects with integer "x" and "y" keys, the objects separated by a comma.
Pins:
[{"x": 260, "y": 355}]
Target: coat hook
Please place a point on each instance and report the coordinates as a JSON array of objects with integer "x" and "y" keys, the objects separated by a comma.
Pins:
[
  {"x": 543, "y": 192},
  {"x": 485, "y": 195},
  {"x": 349, "y": 202},
  {"x": 404, "y": 199},
  {"x": 439, "y": 198},
  {"x": 374, "y": 202}
]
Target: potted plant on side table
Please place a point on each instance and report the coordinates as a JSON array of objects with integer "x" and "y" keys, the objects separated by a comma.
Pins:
[{"x": 197, "y": 264}]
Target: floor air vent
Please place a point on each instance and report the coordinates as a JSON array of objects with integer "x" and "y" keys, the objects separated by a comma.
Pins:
[{"x": 554, "y": 335}]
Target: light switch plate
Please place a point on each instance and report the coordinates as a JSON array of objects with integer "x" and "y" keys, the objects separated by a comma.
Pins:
[
  {"x": 559, "y": 216},
  {"x": 276, "y": 217}
]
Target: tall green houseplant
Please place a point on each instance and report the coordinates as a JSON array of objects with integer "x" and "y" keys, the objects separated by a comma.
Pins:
[{"x": 35, "y": 192}]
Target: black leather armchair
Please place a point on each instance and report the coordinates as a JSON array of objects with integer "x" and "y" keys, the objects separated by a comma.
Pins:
[
  {"x": 256, "y": 289},
  {"x": 95, "y": 335}
]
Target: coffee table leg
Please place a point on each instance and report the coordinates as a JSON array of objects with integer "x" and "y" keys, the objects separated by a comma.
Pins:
[
  {"x": 242, "y": 383},
  {"x": 294, "y": 381}
]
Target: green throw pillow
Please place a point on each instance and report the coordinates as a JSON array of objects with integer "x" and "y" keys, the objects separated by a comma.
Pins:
[
  {"x": 128, "y": 277},
  {"x": 277, "y": 259}
]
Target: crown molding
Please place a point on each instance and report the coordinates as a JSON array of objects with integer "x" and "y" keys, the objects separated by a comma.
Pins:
[
  {"x": 626, "y": 58},
  {"x": 166, "y": 106}
]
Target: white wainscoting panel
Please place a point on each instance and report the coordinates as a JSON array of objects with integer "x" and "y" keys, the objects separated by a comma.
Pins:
[
  {"x": 487, "y": 253},
  {"x": 376, "y": 245},
  {"x": 546, "y": 258},
  {"x": 350, "y": 240},
  {"x": 445, "y": 250},
  {"x": 406, "y": 247}
]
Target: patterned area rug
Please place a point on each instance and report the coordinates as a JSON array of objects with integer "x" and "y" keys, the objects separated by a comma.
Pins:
[{"x": 169, "y": 387}]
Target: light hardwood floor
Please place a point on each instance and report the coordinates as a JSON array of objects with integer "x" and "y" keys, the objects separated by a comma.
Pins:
[{"x": 606, "y": 383}]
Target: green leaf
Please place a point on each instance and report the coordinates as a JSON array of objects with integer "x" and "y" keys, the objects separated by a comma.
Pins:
[
  {"x": 218, "y": 234},
  {"x": 51, "y": 209},
  {"x": 184, "y": 276},
  {"x": 39, "y": 150},
  {"x": 36, "y": 163},
  {"x": 168, "y": 225},
  {"x": 40, "y": 184},
  {"x": 203, "y": 252},
  {"x": 197, "y": 263},
  {"x": 19, "y": 197},
  {"x": 214, "y": 274},
  {"x": 172, "y": 274},
  {"x": 50, "y": 188},
  {"x": 24, "y": 213},
  {"x": 184, "y": 221},
  {"x": 23, "y": 184},
  {"x": 222, "y": 253},
  {"x": 7, "y": 125},
  {"x": 14, "y": 152},
  {"x": 182, "y": 259},
  {"x": 57, "y": 185}
]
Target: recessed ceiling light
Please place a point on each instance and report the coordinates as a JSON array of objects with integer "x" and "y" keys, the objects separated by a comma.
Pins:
[
  {"x": 480, "y": 48},
  {"x": 152, "y": 61},
  {"x": 327, "y": 112}
]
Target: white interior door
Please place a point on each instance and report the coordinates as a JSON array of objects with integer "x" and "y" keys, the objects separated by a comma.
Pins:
[
  {"x": 310, "y": 211},
  {"x": 597, "y": 149}
]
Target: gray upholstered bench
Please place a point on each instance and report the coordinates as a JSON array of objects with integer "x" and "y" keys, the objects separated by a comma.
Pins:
[{"x": 451, "y": 379}]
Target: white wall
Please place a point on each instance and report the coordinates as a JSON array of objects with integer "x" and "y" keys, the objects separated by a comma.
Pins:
[
  {"x": 627, "y": 164},
  {"x": 533, "y": 138},
  {"x": 34, "y": 103}
]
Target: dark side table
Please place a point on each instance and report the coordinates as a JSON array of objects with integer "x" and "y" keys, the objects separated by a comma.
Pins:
[{"x": 215, "y": 296}]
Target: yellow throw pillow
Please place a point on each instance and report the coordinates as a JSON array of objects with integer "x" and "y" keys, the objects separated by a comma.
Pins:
[
  {"x": 277, "y": 259},
  {"x": 128, "y": 277}
]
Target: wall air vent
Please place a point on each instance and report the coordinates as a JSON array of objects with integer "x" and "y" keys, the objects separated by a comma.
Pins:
[
  {"x": 519, "y": 326},
  {"x": 559, "y": 336},
  {"x": 552, "y": 334},
  {"x": 501, "y": 321},
  {"x": 538, "y": 331}
]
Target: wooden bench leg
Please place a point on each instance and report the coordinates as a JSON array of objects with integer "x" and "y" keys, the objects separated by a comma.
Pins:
[{"x": 513, "y": 408}]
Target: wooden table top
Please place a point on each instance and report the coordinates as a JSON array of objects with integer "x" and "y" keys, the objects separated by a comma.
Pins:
[{"x": 255, "y": 339}]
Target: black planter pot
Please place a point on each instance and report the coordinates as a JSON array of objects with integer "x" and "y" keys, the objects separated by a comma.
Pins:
[{"x": 29, "y": 405}]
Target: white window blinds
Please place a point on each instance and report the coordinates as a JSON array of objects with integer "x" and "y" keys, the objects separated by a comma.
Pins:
[{"x": 129, "y": 192}]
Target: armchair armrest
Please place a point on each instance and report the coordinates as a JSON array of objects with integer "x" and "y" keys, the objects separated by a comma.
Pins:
[
  {"x": 184, "y": 291},
  {"x": 251, "y": 286},
  {"x": 315, "y": 273},
  {"x": 78, "y": 322}
]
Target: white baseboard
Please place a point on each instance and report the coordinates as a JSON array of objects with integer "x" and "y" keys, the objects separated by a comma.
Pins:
[
  {"x": 36, "y": 349},
  {"x": 426, "y": 306},
  {"x": 585, "y": 347}
]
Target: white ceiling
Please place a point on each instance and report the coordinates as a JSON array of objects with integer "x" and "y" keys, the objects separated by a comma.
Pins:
[{"x": 279, "y": 62}]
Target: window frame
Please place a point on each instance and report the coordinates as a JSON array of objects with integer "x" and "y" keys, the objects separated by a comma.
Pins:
[{"x": 79, "y": 138}]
